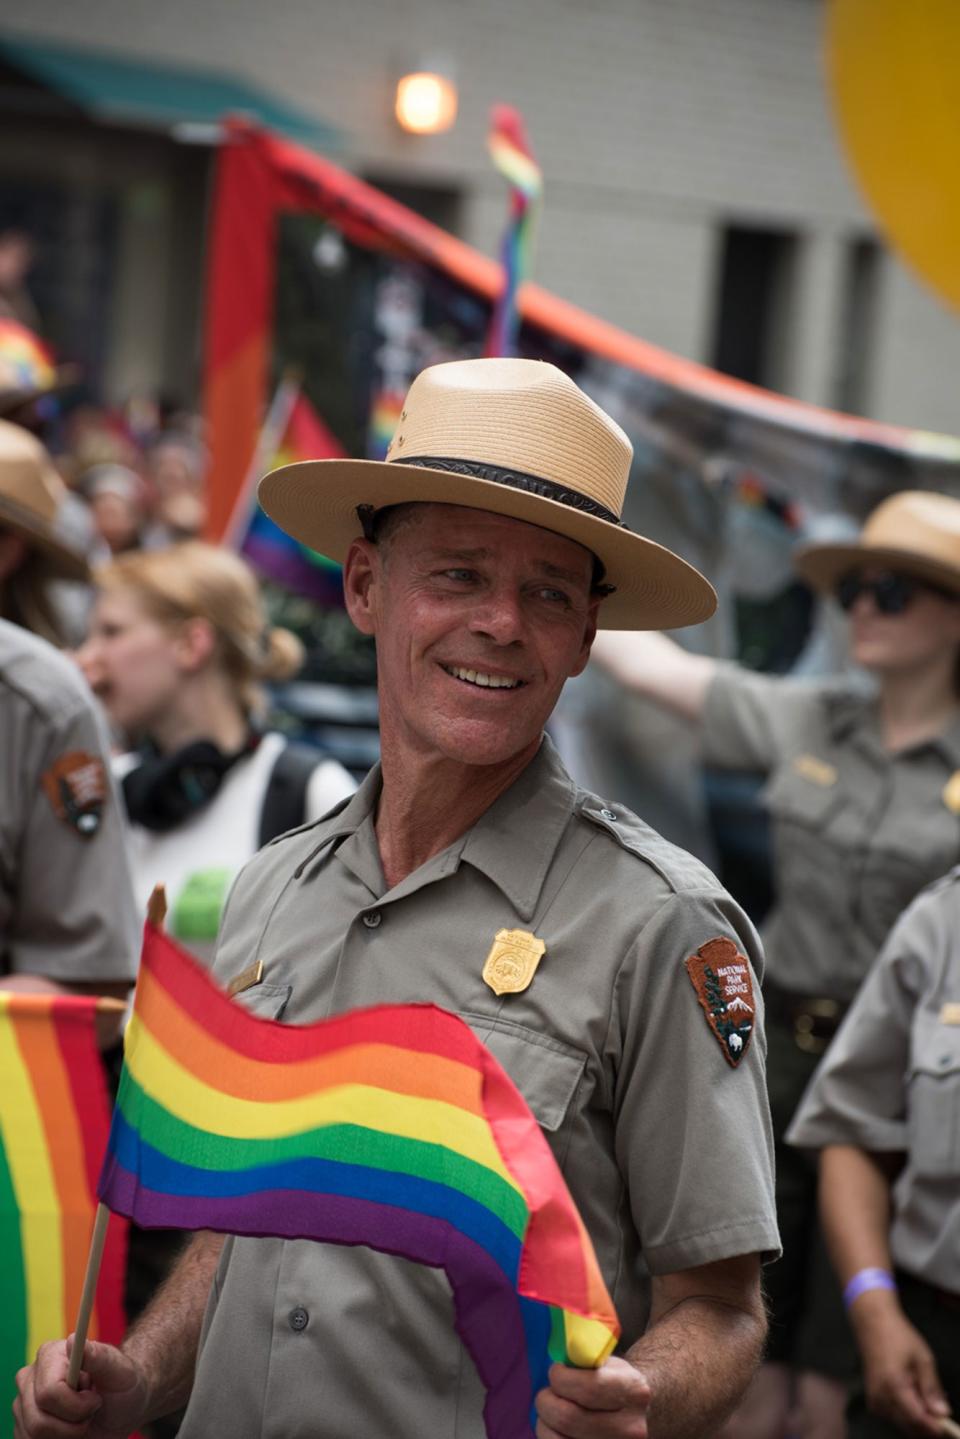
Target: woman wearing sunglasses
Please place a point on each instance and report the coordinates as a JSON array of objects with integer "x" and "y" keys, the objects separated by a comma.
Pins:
[{"x": 863, "y": 792}]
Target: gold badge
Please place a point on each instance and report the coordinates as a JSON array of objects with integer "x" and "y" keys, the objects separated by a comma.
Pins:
[
  {"x": 815, "y": 770},
  {"x": 951, "y": 793},
  {"x": 512, "y": 961},
  {"x": 950, "y": 1014},
  {"x": 246, "y": 979}
]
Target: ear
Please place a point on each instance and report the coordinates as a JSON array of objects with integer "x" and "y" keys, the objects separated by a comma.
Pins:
[
  {"x": 194, "y": 644},
  {"x": 589, "y": 635},
  {"x": 361, "y": 572}
]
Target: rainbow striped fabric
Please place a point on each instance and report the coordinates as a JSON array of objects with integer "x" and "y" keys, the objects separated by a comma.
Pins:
[
  {"x": 511, "y": 154},
  {"x": 54, "y": 1122},
  {"x": 392, "y": 1127},
  {"x": 270, "y": 550}
]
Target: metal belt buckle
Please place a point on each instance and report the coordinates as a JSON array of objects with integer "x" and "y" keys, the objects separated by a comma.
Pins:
[{"x": 815, "y": 1025}]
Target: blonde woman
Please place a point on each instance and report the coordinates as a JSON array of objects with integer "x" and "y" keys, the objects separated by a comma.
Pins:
[{"x": 178, "y": 650}]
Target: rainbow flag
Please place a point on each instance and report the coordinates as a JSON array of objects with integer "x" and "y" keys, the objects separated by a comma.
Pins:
[
  {"x": 54, "y": 1123},
  {"x": 300, "y": 434},
  {"x": 26, "y": 363},
  {"x": 511, "y": 154},
  {"x": 392, "y": 1127}
]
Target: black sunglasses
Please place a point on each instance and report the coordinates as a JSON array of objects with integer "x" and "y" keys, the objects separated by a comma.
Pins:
[{"x": 892, "y": 594}]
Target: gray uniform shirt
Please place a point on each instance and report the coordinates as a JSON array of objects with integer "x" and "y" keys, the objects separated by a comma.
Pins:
[
  {"x": 665, "y": 1146},
  {"x": 891, "y": 1082},
  {"x": 66, "y": 902},
  {"x": 857, "y": 832}
]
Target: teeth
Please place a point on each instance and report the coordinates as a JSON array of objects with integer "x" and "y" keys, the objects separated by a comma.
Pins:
[{"x": 477, "y": 677}]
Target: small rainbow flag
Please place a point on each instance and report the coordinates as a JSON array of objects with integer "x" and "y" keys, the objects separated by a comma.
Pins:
[
  {"x": 26, "y": 363},
  {"x": 54, "y": 1123},
  {"x": 511, "y": 154},
  {"x": 294, "y": 431},
  {"x": 392, "y": 1127}
]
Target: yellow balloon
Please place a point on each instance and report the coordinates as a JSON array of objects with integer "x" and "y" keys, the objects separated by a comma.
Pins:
[{"x": 894, "y": 70}]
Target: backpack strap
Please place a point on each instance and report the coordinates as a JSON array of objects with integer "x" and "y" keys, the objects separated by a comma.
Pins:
[{"x": 284, "y": 801}]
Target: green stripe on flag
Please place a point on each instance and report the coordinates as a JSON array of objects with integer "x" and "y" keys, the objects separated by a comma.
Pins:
[
  {"x": 344, "y": 1143},
  {"x": 13, "y": 1297}
]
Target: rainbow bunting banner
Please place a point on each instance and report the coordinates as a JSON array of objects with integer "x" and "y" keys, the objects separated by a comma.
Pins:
[
  {"x": 392, "y": 1127},
  {"x": 54, "y": 1123},
  {"x": 511, "y": 154}
]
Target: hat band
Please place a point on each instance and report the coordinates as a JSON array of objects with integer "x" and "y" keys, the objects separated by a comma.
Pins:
[{"x": 516, "y": 480}]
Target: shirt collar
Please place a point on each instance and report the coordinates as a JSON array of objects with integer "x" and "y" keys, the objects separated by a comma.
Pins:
[
  {"x": 513, "y": 843},
  {"x": 856, "y": 710}
]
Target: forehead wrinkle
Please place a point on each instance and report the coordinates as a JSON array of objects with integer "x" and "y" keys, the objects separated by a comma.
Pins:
[{"x": 484, "y": 552}]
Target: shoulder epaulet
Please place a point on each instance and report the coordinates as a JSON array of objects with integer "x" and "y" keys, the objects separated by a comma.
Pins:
[
  {"x": 313, "y": 825},
  {"x": 680, "y": 870}
]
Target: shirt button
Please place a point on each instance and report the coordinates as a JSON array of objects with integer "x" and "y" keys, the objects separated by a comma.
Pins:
[
  {"x": 372, "y": 918},
  {"x": 298, "y": 1319},
  {"x": 607, "y": 814}
]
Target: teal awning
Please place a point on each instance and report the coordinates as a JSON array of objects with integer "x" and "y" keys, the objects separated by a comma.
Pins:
[{"x": 189, "y": 103}]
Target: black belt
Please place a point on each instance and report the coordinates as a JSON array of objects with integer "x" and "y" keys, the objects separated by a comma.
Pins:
[{"x": 813, "y": 1020}]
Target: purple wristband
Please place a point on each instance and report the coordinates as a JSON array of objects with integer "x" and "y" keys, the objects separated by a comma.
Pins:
[{"x": 866, "y": 1279}]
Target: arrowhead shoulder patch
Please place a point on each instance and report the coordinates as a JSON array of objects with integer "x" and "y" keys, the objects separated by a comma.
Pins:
[
  {"x": 721, "y": 977},
  {"x": 76, "y": 786}
]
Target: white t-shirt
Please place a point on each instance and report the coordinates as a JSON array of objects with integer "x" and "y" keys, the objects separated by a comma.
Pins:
[{"x": 198, "y": 861}]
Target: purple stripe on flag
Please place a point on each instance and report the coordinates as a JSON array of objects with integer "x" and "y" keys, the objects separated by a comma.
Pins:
[{"x": 488, "y": 1317}]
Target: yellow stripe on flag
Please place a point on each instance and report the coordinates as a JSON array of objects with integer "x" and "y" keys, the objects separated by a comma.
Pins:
[
  {"x": 191, "y": 1100},
  {"x": 25, "y": 1146}
]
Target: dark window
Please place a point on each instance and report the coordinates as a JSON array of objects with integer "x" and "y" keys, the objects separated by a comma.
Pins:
[
  {"x": 858, "y": 309},
  {"x": 439, "y": 203},
  {"x": 754, "y": 298}
]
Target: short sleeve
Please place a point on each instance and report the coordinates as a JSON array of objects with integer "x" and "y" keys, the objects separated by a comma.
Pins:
[
  {"x": 858, "y": 1093},
  {"x": 745, "y": 717},
  {"x": 693, "y": 1134},
  {"x": 72, "y": 915}
]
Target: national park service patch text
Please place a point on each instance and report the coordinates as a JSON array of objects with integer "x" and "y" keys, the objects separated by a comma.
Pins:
[{"x": 721, "y": 976}]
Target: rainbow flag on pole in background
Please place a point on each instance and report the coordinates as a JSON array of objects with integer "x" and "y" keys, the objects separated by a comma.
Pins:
[
  {"x": 54, "y": 1124},
  {"x": 511, "y": 154},
  {"x": 392, "y": 1127},
  {"x": 292, "y": 431}
]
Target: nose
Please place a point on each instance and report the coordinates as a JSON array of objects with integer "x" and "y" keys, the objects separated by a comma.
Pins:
[
  {"x": 499, "y": 617},
  {"x": 87, "y": 659}
]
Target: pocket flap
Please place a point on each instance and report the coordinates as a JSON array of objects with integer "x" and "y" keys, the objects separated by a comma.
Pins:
[
  {"x": 266, "y": 1001},
  {"x": 546, "y": 1071}
]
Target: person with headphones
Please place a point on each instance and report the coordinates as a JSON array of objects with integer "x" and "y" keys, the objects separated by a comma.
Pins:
[{"x": 177, "y": 650}]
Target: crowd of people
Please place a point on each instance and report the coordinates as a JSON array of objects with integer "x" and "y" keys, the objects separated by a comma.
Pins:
[{"x": 484, "y": 591}]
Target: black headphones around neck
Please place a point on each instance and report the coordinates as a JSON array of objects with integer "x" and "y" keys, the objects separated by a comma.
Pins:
[{"x": 163, "y": 790}]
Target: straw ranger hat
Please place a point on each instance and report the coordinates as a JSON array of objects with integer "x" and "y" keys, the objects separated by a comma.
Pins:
[
  {"x": 914, "y": 532},
  {"x": 518, "y": 438},
  {"x": 31, "y": 493}
]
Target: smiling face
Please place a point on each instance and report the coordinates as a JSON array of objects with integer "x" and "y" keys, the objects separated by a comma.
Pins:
[
  {"x": 479, "y": 620},
  {"x": 131, "y": 663}
]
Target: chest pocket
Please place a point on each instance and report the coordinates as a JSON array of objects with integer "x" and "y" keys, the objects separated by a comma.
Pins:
[
  {"x": 266, "y": 1001},
  {"x": 546, "y": 1071},
  {"x": 792, "y": 797},
  {"x": 933, "y": 1097}
]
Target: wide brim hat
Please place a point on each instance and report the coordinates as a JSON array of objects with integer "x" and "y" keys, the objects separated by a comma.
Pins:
[
  {"x": 914, "y": 532},
  {"x": 31, "y": 494},
  {"x": 516, "y": 438}
]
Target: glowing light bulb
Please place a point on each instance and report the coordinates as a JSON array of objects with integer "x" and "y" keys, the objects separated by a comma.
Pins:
[{"x": 426, "y": 103}]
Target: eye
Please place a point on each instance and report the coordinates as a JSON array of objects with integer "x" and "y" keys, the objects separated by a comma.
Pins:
[
  {"x": 553, "y": 596},
  {"x": 460, "y": 576}
]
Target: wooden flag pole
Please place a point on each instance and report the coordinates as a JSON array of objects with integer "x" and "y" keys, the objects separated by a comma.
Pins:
[
  {"x": 156, "y": 914},
  {"x": 950, "y": 1429},
  {"x": 89, "y": 1294}
]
